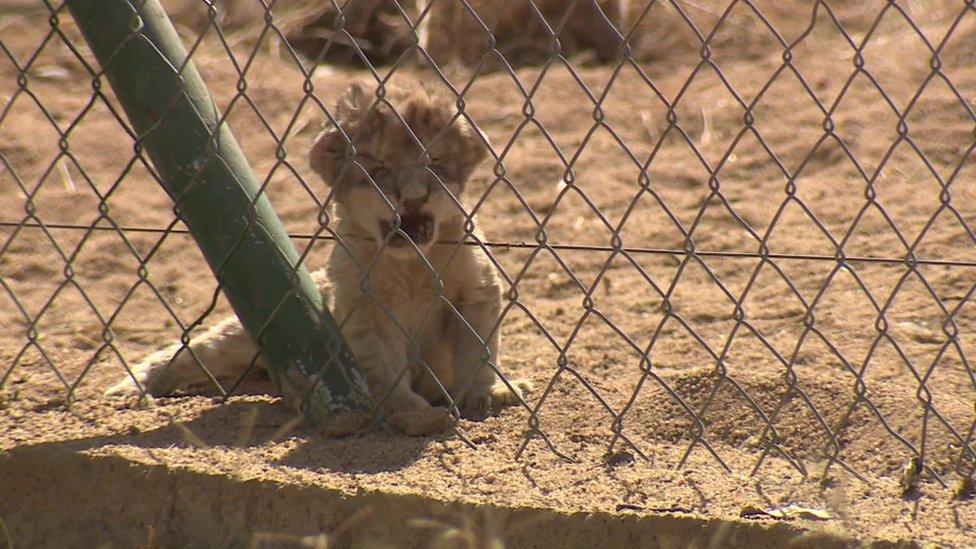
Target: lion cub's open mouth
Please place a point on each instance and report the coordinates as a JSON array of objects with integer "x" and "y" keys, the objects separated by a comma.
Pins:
[{"x": 419, "y": 227}]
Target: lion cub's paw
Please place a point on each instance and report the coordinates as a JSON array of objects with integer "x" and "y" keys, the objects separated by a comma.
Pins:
[
  {"x": 124, "y": 388},
  {"x": 481, "y": 400},
  {"x": 422, "y": 421}
]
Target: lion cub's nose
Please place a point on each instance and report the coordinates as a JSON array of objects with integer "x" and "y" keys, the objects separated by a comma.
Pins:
[
  {"x": 413, "y": 196},
  {"x": 412, "y": 205}
]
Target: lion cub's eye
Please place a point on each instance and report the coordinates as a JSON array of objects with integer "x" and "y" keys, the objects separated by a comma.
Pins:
[
  {"x": 436, "y": 166},
  {"x": 373, "y": 166}
]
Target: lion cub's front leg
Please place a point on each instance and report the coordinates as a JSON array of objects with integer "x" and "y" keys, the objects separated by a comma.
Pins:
[
  {"x": 380, "y": 348},
  {"x": 476, "y": 383}
]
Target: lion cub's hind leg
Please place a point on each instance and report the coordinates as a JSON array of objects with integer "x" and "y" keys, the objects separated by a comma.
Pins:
[{"x": 225, "y": 350}]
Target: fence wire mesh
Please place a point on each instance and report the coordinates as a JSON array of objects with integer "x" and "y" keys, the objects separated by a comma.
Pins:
[{"x": 739, "y": 228}]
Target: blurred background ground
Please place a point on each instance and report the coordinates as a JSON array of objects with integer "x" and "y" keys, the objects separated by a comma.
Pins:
[{"x": 884, "y": 372}]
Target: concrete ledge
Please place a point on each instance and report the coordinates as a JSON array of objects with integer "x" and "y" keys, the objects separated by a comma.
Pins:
[{"x": 60, "y": 495}]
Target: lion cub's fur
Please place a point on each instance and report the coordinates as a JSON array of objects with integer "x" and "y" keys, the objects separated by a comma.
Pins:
[{"x": 411, "y": 301}]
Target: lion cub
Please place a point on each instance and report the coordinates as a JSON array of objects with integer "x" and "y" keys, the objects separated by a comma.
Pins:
[{"x": 408, "y": 297}]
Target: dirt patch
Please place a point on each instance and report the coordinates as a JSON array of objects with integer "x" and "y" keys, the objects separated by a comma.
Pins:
[{"x": 791, "y": 360}]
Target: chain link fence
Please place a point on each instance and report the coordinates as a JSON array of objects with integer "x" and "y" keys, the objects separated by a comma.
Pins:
[{"x": 733, "y": 228}]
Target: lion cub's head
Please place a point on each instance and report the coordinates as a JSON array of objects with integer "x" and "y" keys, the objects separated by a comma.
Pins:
[{"x": 410, "y": 154}]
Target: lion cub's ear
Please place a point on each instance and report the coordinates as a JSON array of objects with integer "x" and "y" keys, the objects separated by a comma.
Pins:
[
  {"x": 354, "y": 103},
  {"x": 329, "y": 150}
]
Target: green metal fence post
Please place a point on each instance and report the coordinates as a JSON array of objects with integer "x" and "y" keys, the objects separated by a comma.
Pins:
[{"x": 203, "y": 169}]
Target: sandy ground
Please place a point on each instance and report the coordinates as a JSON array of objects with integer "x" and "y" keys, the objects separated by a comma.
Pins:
[{"x": 862, "y": 367}]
